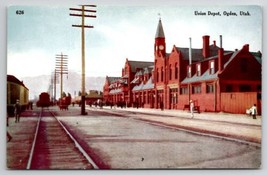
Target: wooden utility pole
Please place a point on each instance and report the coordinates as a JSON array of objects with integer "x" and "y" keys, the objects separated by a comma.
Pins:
[
  {"x": 55, "y": 86},
  {"x": 83, "y": 26},
  {"x": 61, "y": 68}
]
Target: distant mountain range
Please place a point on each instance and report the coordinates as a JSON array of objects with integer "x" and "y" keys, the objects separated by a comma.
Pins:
[{"x": 71, "y": 84}]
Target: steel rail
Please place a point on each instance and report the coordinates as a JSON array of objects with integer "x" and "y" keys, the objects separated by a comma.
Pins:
[
  {"x": 88, "y": 158},
  {"x": 243, "y": 141},
  {"x": 34, "y": 141}
]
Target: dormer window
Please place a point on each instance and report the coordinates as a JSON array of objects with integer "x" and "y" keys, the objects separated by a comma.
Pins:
[
  {"x": 198, "y": 70},
  {"x": 212, "y": 68},
  {"x": 189, "y": 71}
]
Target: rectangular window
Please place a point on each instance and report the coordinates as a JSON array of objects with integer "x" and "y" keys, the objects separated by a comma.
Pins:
[
  {"x": 170, "y": 73},
  {"x": 229, "y": 88},
  {"x": 196, "y": 89},
  {"x": 183, "y": 90},
  {"x": 210, "y": 88},
  {"x": 258, "y": 96},
  {"x": 149, "y": 96},
  {"x": 212, "y": 69},
  {"x": 259, "y": 88},
  {"x": 174, "y": 96},
  {"x": 244, "y": 88},
  {"x": 144, "y": 99}
]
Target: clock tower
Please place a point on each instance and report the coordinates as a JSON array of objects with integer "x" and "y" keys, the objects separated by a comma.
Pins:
[{"x": 160, "y": 45}]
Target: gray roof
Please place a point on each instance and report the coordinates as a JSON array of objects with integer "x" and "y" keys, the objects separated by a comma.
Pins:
[
  {"x": 148, "y": 70},
  {"x": 139, "y": 73},
  {"x": 138, "y": 87},
  {"x": 112, "y": 79},
  {"x": 159, "y": 32},
  {"x": 204, "y": 77},
  {"x": 135, "y": 80},
  {"x": 197, "y": 53},
  {"x": 231, "y": 58},
  {"x": 139, "y": 65},
  {"x": 149, "y": 85},
  {"x": 257, "y": 55}
]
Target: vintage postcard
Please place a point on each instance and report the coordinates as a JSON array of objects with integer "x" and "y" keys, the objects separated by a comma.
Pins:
[{"x": 134, "y": 87}]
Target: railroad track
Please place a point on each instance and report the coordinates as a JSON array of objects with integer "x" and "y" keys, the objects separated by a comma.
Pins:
[
  {"x": 54, "y": 147},
  {"x": 194, "y": 130}
]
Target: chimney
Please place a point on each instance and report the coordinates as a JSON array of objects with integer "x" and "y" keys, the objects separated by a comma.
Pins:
[
  {"x": 190, "y": 51},
  {"x": 220, "y": 56},
  {"x": 246, "y": 47},
  {"x": 220, "y": 41},
  {"x": 214, "y": 43},
  {"x": 206, "y": 46},
  {"x": 220, "y": 59}
]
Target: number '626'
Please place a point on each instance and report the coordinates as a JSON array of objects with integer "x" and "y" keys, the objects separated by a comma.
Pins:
[{"x": 20, "y": 12}]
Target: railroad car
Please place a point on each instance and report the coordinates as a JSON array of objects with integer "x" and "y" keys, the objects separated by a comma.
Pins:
[
  {"x": 64, "y": 103},
  {"x": 16, "y": 90},
  {"x": 44, "y": 100}
]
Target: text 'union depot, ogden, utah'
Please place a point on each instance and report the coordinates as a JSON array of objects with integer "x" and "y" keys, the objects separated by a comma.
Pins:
[{"x": 224, "y": 13}]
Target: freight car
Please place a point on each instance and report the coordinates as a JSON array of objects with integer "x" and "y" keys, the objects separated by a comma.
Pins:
[
  {"x": 16, "y": 90},
  {"x": 44, "y": 100}
]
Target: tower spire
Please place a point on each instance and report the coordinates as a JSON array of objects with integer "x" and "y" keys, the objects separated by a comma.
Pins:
[
  {"x": 160, "y": 45},
  {"x": 160, "y": 32}
]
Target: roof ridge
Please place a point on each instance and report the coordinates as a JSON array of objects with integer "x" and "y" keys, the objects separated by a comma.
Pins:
[{"x": 140, "y": 61}]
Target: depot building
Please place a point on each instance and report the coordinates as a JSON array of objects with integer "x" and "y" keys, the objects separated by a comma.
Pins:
[{"x": 213, "y": 78}]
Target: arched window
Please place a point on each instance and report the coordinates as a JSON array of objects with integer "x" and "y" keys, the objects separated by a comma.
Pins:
[
  {"x": 161, "y": 73},
  {"x": 157, "y": 75},
  {"x": 176, "y": 71},
  {"x": 170, "y": 72}
]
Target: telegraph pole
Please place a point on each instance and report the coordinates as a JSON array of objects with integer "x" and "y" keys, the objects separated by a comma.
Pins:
[
  {"x": 83, "y": 14},
  {"x": 55, "y": 85},
  {"x": 50, "y": 89},
  {"x": 61, "y": 68}
]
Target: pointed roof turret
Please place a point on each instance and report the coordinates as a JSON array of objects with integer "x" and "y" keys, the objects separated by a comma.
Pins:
[{"x": 160, "y": 32}]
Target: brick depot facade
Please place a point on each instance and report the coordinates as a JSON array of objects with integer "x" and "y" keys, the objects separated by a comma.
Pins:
[{"x": 215, "y": 79}]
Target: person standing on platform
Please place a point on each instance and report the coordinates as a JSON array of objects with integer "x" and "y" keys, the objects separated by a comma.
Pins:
[
  {"x": 17, "y": 111},
  {"x": 253, "y": 110},
  {"x": 191, "y": 105}
]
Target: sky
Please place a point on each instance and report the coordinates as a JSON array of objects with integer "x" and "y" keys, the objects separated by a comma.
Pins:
[{"x": 35, "y": 37}]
